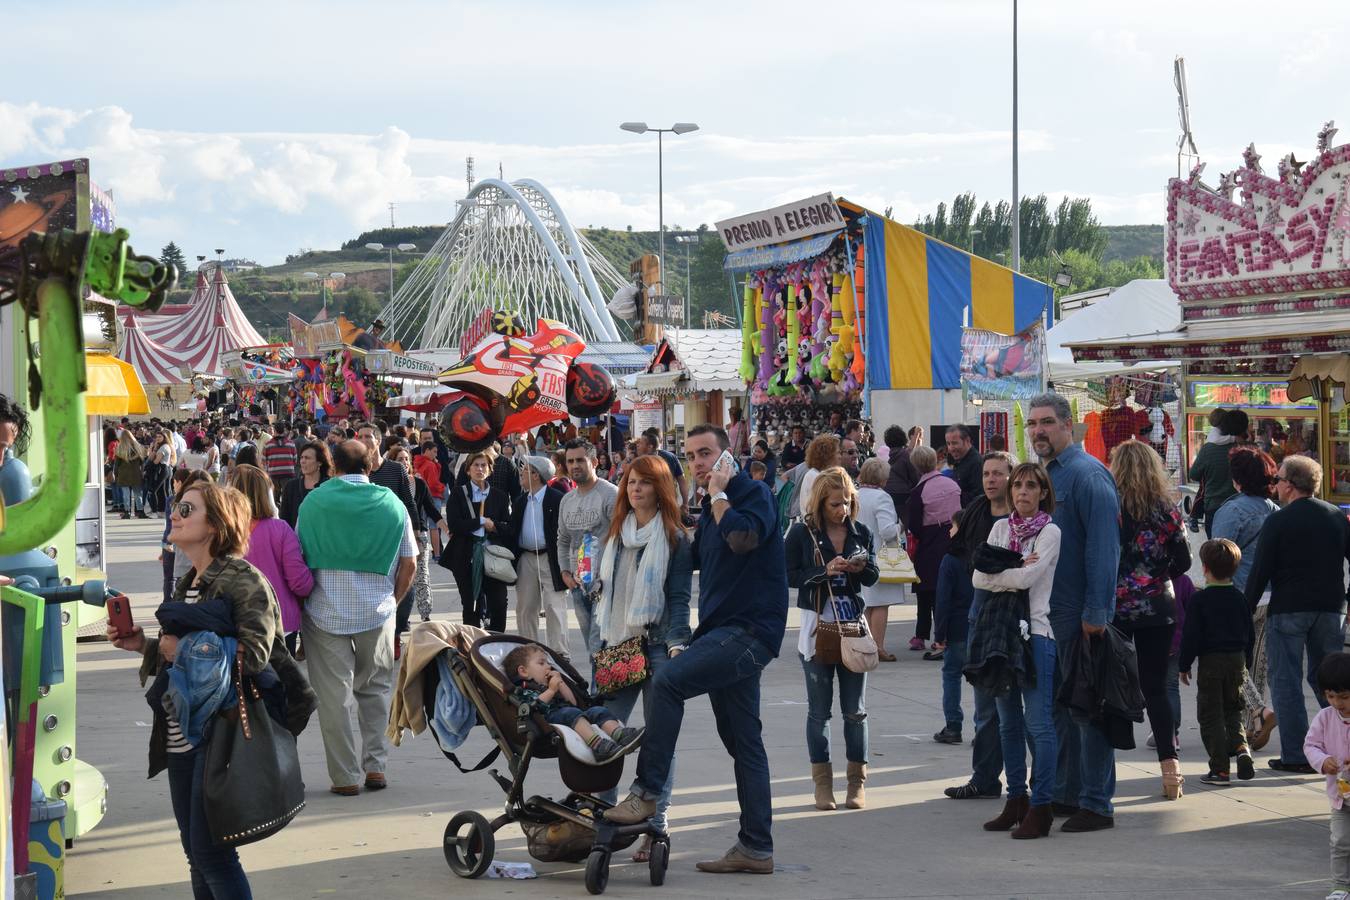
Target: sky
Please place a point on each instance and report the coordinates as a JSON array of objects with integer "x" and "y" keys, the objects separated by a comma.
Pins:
[{"x": 267, "y": 128}]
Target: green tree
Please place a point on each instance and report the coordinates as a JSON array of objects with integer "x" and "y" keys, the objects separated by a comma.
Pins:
[
  {"x": 359, "y": 304},
  {"x": 171, "y": 255}
]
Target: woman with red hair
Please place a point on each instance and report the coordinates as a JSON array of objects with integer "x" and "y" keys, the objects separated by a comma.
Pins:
[{"x": 646, "y": 570}]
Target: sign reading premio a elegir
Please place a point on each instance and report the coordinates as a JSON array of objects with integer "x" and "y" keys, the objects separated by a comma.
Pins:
[{"x": 804, "y": 218}]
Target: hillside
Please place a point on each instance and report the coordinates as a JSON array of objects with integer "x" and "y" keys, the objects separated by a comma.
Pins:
[{"x": 267, "y": 295}]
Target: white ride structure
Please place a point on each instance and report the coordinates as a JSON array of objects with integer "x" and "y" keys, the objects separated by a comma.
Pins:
[{"x": 510, "y": 247}]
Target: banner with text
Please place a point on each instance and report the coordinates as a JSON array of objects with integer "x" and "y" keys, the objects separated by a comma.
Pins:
[{"x": 814, "y": 215}]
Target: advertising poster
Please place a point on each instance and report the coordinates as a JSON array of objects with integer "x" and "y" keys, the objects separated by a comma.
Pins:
[{"x": 1003, "y": 366}]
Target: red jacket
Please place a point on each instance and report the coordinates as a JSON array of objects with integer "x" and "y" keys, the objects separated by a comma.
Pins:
[{"x": 429, "y": 470}]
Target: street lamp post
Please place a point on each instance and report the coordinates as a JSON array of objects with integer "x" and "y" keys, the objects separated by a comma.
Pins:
[
  {"x": 677, "y": 128},
  {"x": 323, "y": 286},
  {"x": 401, "y": 248},
  {"x": 687, "y": 239}
]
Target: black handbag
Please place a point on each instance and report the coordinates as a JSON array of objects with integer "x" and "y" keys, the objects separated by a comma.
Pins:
[{"x": 251, "y": 785}]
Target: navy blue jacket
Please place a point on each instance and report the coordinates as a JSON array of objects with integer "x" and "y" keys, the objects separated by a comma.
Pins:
[{"x": 742, "y": 568}]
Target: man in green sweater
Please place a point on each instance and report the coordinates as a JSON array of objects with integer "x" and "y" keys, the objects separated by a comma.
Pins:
[{"x": 357, "y": 538}]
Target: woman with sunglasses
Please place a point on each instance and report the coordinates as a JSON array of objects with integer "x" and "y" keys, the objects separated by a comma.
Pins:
[{"x": 211, "y": 527}]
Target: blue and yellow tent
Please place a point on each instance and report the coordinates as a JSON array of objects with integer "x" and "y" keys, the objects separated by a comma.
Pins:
[{"x": 920, "y": 292}]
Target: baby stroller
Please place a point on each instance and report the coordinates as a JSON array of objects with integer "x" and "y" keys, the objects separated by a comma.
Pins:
[{"x": 570, "y": 830}]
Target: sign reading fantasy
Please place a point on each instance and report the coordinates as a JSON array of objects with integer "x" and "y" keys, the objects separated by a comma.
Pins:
[
  {"x": 1283, "y": 234},
  {"x": 814, "y": 215}
]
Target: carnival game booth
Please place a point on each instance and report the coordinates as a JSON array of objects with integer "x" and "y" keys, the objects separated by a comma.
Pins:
[
  {"x": 1264, "y": 288},
  {"x": 842, "y": 305}
]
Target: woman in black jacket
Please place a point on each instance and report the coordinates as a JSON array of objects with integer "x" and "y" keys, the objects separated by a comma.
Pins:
[
  {"x": 830, "y": 559},
  {"x": 478, "y": 514},
  {"x": 315, "y": 464}
]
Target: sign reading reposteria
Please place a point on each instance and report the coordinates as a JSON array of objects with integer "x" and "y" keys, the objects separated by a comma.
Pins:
[{"x": 814, "y": 215}]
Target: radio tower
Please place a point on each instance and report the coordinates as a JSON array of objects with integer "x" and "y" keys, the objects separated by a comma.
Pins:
[
  {"x": 391, "y": 214},
  {"x": 468, "y": 173}
]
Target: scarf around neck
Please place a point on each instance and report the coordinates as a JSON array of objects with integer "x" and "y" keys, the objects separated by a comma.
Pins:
[
  {"x": 1024, "y": 530},
  {"x": 626, "y": 614}
]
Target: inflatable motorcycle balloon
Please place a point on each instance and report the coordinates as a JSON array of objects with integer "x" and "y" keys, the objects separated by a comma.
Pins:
[{"x": 512, "y": 382}]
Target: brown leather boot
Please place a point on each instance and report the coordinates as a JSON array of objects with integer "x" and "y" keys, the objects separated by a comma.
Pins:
[
  {"x": 857, "y": 775},
  {"x": 823, "y": 775},
  {"x": 1014, "y": 811},
  {"x": 1035, "y": 824}
]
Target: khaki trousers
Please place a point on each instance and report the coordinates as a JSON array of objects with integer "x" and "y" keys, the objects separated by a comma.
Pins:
[
  {"x": 534, "y": 588},
  {"x": 343, "y": 667}
]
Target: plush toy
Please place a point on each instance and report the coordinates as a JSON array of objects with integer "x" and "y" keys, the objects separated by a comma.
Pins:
[
  {"x": 747, "y": 370},
  {"x": 804, "y": 357},
  {"x": 793, "y": 333},
  {"x": 766, "y": 334}
]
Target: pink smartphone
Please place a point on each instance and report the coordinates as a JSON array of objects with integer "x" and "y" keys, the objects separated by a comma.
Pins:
[{"x": 119, "y": 614}]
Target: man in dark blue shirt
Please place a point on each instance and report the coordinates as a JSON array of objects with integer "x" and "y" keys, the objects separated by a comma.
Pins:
[
  {"x": 1082, "y": 602},
  {"x": 742, "y": 609}
]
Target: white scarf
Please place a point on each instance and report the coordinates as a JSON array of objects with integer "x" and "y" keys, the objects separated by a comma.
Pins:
[{"x": 644, "y": 600}]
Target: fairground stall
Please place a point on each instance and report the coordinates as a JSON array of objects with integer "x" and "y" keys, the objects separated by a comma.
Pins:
[
  {"x": 693, "y": 377},
  {"x": 1264, "y": 286},
  {"x": 845, "y": 309}
]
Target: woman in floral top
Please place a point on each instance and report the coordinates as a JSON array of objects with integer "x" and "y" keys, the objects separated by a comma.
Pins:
[{"x": 1153, "y": 551}]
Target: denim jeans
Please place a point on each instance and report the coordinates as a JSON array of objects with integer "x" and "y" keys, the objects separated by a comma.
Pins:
[
  {"x": 585, "y": 610},
  {"x": 820, "y": 699},
  {"x": 986, "y": 747},
  {"x": 622, "y": 705},
  {"x": 216, "y": 873},
  {"x": 725, "y": 664},
  {"x": 953, "y": 661},
  {"x": 1028, "y": 713},
  {"x": 1287, "y": 636},
  {"x": 1086, "y": 767}
]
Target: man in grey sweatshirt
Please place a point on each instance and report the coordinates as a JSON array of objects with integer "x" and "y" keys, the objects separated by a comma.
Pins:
[{"x": 583, "y": 519}]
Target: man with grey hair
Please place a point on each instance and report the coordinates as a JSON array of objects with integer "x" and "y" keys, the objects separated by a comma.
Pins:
[
  {"x": 1300, "y": 557},
  {"x": 1082, "y": 602},
  {"x": 539, "y": 583}
]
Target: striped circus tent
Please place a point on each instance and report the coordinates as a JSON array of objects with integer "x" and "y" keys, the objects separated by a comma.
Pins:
[
  {"x": 921, "y": 292},
  {"x": 193, "y": 337}
]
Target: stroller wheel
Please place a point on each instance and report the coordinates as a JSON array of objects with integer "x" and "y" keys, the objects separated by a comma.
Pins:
[
  {"x": 597, "y": 871},
  {"x": 657, "y": 862},
  {"x": 469, "y": 845}
]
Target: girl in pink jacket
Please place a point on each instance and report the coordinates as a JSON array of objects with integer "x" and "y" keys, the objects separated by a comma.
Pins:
[{"x": 1327, "y": 747}]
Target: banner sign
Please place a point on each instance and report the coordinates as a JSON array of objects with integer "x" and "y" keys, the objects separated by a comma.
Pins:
[
  {"x": 1247, "y": 394},
  {"x": 778, "y": 255},
  {"x": 1285, "y": 234},
  {"x": 478, "y": 329},
  {"x": 309, "y": 339},
  {"x": 665, "y": 309},
  {"x": 397, "y": 365},
  {"x": 648, "y": 413},
  {"x": 1003, "y": 367},
  {"x": 804, "y": 218}
]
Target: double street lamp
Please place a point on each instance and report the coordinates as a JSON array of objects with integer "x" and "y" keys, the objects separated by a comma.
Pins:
[
  {"x": 677, "y": 128},
  {"x": 401, "y": 248},
  {"x": 323, "y": 286}
]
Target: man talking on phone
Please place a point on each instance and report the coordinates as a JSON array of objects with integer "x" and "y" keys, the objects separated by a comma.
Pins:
[{"x": 742, "y": 608}]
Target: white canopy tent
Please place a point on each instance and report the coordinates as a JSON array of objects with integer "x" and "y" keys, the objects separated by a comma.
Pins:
[{"x": 1144, "y": 309}]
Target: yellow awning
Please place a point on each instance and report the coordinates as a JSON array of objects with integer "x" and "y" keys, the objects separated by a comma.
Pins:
[{"x": 114, "y": 388}]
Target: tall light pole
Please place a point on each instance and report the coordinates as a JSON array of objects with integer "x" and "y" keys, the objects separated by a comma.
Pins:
[
  {"x": 687, "y": 239},
  {"x": 1016, "y": 198},
  {"x": 677, "y": 128},
  {"x": 323, "y": 286},
  {"x": 401, "y": 248}
]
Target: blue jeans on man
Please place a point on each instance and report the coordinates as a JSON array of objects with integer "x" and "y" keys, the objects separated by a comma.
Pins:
[
  {"x": 1287, "y": 636},
  {"x": 584, "y": 607},
  {"x": 725, "y": 663},
  {"x": 953, "y": 662},
  {"x": 1086, "y": 768},
  {"x": 1026, "y": 715}
]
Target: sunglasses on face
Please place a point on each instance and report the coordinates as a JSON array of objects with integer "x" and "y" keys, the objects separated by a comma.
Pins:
[{"x": 184, "y": 509}]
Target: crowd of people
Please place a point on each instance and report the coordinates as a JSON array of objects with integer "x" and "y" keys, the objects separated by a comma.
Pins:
[{"x": 1025, "y": 569}]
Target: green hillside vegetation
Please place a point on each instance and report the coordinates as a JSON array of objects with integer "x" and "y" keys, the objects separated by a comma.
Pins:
[{"x": 1117, "y": 254}]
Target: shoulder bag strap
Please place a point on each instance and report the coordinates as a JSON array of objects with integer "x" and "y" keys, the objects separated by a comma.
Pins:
[{"x": 820, "y": 558}]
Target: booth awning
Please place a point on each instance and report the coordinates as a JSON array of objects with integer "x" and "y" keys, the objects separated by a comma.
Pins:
[
  {"x": 1311, "y": 369},
  {"x": 661, "y": 382},
  {"x": 114, "y": 389}
]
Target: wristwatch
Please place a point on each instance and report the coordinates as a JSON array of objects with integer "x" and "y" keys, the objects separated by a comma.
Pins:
[{"x": 720, "y": 495}]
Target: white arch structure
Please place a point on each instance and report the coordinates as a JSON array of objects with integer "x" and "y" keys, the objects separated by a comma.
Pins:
[{"x": 509, "y": 247}]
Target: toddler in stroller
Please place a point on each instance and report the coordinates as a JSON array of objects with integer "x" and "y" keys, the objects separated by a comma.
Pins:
[
  {"x": 540, "y": 684},
  {"x": 526, "y": 724}
]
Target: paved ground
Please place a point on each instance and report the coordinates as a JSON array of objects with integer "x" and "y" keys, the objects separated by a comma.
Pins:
[{"x": 1263, "y": 839}]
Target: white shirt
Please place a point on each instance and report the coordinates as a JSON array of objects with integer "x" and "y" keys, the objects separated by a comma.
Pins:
[
  {"x": 1036, "y": 579},
  {"x": 532, "y": 528},
  {"x": 179, "y": 445}
]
